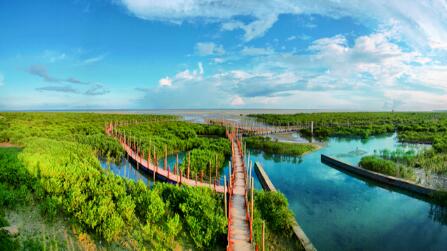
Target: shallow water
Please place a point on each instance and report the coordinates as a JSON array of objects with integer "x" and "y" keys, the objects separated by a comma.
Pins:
[
  {"x": 340, "y": 212},
  {"x": 129, "y": 170}
]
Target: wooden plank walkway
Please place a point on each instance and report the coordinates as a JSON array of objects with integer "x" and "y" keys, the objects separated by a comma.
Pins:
[
  {"x": 239, "y": 219},
  {"x": 255, "y": 130},
  {"x": 166, "y": 174},
  {"x": 239, "y": 222}
]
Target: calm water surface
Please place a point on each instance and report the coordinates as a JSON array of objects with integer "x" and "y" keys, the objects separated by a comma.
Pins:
[{"x": 338, "y": 211}]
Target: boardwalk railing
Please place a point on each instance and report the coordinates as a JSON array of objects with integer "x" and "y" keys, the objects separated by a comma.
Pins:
[
  {"x": 133, "y": 150},
  {"x": 256, "y": 129},
  {"x": 237, "y": 164},
  {"x": 240, "y": 234}
]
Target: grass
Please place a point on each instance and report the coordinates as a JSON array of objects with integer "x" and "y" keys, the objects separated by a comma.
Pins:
[
  {"x": 387, "y": 167},
  {"x": 275, "y": 147}
]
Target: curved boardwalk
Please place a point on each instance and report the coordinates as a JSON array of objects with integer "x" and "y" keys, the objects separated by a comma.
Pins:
[
  {"x": 239, "y": 222},
  {"x": 159, "y": 171},
  {"x": 239, "y": 226}
]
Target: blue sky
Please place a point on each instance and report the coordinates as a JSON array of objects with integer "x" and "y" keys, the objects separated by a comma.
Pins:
[{"x": 362, "y": 55}]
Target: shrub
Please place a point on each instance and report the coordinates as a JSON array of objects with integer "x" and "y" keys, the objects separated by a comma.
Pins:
[
  {"x": 387, "y": 167},
  {"x": 49, "y": 208},
  {"x": 274, "y": 209},
  {"x": 275, "y": 147}
]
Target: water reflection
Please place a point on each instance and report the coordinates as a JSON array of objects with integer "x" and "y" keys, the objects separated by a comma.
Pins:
[
  {"x": 338, "y": 211},
  {"x": 125, "y": 169},
  {"x": 129, "y": 170},
  {"x": 341, "y": 212},
  {"x": 277, "y": 158}
]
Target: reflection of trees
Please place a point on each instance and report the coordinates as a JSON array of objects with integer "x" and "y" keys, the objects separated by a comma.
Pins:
[
  {"x": 277, "y": 158},
  {"x": 438, "y": 214}
]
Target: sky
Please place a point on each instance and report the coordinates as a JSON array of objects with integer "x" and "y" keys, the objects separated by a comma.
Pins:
[{"x": 159, "y": 54}]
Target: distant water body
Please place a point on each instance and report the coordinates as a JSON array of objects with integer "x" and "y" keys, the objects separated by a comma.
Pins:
[{"x": 197, "y": 115}]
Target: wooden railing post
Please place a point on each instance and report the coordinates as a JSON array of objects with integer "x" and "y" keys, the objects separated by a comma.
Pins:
[
  {"x": 189, "y": 163},
  {"x": 252, "y": 208},
  {"x": 225, "y": 196},
  {"x": 263, "y": 236},
  {"x": 165, "y": 163}
]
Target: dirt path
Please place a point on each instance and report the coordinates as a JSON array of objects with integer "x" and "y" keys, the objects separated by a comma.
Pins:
[{"x": 7, "y": 144}]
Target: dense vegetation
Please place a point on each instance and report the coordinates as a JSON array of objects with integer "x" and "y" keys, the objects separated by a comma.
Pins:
[
  {"x": 272, "y": 208},
  {"x": 84, "y": 128},
  {"x": 422, "y": 127},
  {"x": 411, "y": 127},
  {"x": 207, "y": 144},
  {"x": 429, "y": 159},
  {"x": 57, "y": 169},
  {"x": 387, "y": 167},
  {"x": 15, "y": 188},
  {"x": 59, "y": 166},
  {"x": 274, "y": 147}
]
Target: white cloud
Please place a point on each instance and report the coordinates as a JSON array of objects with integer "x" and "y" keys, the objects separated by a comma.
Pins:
[
  {"x": 375, "y": 54},
  {"x": 373, "y": 72},
  {"x": 209, "y": 48},
  {"x": 422, "y": 23},
  {"x": 301, "y": 37},
  {"x": 240, "y": 75},
  {"x": 54, "y": 56},
  {"x": 237, "y": 101},
  {"x": 218, "y": 60},
  {"x": 186, "y": 75},
  {"x": 254, "y": 29},
  {"x": 94, "y": 59},
  {"x": 166, "y": 81},
  {"x": 418, "y": 100},
  {"x": 265, "y": 12},
  {"x": 200, "y": 65},
  {"x": 2, "y": 79},
  {"x": 255, "y": 51},
  {"x": 435, "y": 76}
]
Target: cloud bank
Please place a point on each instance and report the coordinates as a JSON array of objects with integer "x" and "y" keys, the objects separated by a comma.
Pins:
[{"x": 422, "y": 23}]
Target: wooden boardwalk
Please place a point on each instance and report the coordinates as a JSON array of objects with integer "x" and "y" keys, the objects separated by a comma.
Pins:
[
  {"x": 160, "y": 172},
  {"x": 239, "y": 223},
  {"x": 252, "y": 130}
]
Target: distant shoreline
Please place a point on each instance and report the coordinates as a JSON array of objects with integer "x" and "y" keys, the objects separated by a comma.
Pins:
[{"x": 239, "y": 110}]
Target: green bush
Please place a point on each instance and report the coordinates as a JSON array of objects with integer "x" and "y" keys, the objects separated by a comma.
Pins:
[
  {"x": 275, "y": 147},
  {"x": 388, "y": 167},
  {"x": 49, "y": 208},
  {"x": 7, "y": 242},
  {"x": 274, "y": 209},
  {"x": 440, "y": 144},
  {"x": 59, "y": 166},
  {"x": 201, "y": 211}
]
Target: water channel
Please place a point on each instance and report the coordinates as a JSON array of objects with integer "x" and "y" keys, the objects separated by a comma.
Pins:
[{"x": 341, "y": 212}]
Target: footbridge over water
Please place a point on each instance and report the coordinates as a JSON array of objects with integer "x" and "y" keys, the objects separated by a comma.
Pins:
[
  {"x": 252, "y": 129},
  {"x": 238, "y": 212}
]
